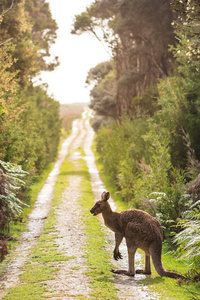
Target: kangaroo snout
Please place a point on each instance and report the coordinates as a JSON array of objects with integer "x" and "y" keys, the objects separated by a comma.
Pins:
[{"x": 92, "y": 210}]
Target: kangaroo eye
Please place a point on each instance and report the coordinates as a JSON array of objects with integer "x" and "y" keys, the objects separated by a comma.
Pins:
[{"x": 98, "y": 204}]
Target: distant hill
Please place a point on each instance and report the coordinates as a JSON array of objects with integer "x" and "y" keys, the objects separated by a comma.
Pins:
[{"x": 70, "y": 112}]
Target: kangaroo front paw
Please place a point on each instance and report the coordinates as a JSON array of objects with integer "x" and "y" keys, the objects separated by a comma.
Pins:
[
  {"x": 124, "y": 272},
  {"x": 117, "y": 256}
]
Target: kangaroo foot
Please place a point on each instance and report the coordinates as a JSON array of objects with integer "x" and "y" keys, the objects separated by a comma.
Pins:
[
  {"x": 124, "y": 272},
  {"x": 140, "y": 271}
]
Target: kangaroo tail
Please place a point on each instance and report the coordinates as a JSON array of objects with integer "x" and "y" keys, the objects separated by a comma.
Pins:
[
  {"x": 162, "y": 272},
  {"x": 157, "y": 262}
]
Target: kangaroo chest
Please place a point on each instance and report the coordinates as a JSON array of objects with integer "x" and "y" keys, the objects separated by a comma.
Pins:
[{"x": 112, "y": 224}]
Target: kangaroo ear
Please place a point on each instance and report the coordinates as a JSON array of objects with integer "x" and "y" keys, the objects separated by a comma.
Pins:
[{"x": 105, "y": 196}]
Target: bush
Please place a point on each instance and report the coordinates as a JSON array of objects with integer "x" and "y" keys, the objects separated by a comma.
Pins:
[
  {"x": 169, "y": 207},
  {"x": 121, "y": 147},
  {"x": 11, "y": 207},
  {"x": 189, "y": 238},
  {"x": 136, "y": 155}
]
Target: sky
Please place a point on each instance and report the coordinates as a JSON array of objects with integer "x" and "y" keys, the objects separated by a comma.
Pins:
[{"x": 77, "y": 54}]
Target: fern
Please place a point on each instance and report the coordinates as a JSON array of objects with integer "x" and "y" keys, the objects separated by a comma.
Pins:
[
  {"x": 10, "y": 183},
  {"x": 189, "y": 238}
]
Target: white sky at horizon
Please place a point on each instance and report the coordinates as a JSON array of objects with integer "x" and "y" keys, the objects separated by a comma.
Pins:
[{"x": 77, "y": 54}]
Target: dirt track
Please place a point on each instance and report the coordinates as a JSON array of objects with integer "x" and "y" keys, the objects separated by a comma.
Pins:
[{"x": 71, "y": 281}]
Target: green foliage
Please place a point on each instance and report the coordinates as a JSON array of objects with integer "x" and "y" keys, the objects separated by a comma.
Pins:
[
  {"x": 189, "y": 238},
  {"x": 45, "y": 257},
  {"x": 43, "y": 31},
  {"x": 117, "y": 146},
  {"x": 11, "y": 206},
  {"x": 96, "y": 74},
  {"x": 31, "y": 139},
  {"x": 8, "y": 86},
  {"x": 104, "y": 92},
  {"x": 30, "y": 26},
  {"x": 82, "y": 23},
  {"x": 168, "y": 207},
  {"x": 136, "y": 155}
]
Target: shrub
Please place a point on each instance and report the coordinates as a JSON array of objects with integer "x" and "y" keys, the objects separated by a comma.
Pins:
[
  {"x": 189, "y": 238},
  {"x": 169, "y": 207},
  {"x": 121, "y": 147},
  {"x": 10, "y": 183}
]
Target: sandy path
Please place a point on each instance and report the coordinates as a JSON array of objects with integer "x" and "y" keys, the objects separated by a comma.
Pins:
[{"x": 71, "y": 280}]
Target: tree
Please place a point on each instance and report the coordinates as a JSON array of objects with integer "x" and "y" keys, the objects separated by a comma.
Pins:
[
  {"x": 179, "y": 95},
  {"x": 9, "y": 108},
  {"x": 103, "y": 94},
  {"x": 43, "y": 31},
  {"x": 139, "y": 34},
  {"x": 30, "y": 26}
]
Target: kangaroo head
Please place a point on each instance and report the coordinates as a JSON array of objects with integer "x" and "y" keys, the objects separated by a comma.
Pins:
[{"x": 100, "y": 205}]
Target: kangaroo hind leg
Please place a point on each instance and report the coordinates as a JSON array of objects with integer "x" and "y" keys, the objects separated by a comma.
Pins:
[
  {"x": 131, "y": 261},
  {"x": 147, "y": 269}
]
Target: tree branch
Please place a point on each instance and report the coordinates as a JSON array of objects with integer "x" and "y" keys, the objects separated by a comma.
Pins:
[
  {"x": 92, "y": 30},
  {"x": 5, "y": 11},
  {"x": 6, "y": 41}
]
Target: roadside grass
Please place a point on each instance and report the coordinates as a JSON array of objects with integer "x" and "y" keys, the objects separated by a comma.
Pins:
[{"x": 166, "y": 288}]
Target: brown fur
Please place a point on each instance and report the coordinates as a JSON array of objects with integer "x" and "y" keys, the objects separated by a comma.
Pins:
[{"x": 140, "y": 231}]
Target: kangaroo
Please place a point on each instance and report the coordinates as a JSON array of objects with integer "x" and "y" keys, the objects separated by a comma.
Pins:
[{"x": 140, "y": 230}]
